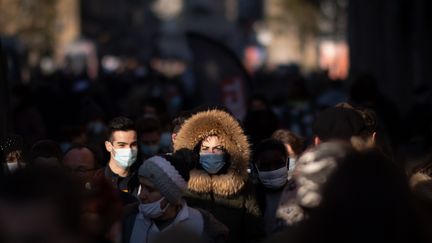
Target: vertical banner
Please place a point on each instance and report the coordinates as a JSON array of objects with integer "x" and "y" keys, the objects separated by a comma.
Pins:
[{"x": 220, "y": 76}]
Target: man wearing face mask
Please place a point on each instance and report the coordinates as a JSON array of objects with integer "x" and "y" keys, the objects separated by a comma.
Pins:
[
  {"x": 149, "y": 136},
  {"x": 220, "y": 182},
  {"x": 270, "y": 164},
  {"x": 162, "y": 210},
  {"x": 122, "y": 146}
]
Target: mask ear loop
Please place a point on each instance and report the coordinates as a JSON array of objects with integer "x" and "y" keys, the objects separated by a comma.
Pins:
[{"x": 139, "y": 190}]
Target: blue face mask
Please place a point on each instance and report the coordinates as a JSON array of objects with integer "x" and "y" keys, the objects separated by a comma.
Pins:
[{"x": 212, "y": 163}]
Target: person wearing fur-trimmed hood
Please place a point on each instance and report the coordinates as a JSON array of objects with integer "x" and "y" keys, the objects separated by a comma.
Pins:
[{"x": 219, "y": 183}]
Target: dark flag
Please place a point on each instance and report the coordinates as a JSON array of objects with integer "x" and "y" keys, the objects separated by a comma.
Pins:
[{"x": 220, "y": 76}]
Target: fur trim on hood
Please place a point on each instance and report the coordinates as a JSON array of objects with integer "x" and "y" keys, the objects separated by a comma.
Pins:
[{"x": 216, "y": 123}]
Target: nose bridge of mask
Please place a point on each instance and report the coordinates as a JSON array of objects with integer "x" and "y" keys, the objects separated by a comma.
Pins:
[
  {"x": 271, "y": 174},
  {"x": 212, "y": 163},
  {"x": 125, "y": 156}
]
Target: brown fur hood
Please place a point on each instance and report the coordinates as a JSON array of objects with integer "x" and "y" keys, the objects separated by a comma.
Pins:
[{"x": 226, "y": 127}]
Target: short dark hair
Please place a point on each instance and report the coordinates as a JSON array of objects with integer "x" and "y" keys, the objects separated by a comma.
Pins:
[
  {"x": 120, "y": 123},
  {"x": 338, "y": 123},
  {"x": 269, "y": 144},
  {"x": 178, "y": 121},
  {"x": 288, "y": 137}
]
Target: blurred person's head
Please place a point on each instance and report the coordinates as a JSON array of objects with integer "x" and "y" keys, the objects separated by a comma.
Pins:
[
  {"x": 337, "y": 123},
  {"x": 293, "y": 144},
  {"x": 82, "y": 161},
  {"x": 102, "y": 212},
  {"x": 45, "y": 153},
  {"x": 258, "y": 103},
  {"x": 260, "y": 120},
  {"x": 176, "y": 124},
  {"x": 11, "y": 148},
  {"x": 121, "y": 144},
  {"x": 149, "y": 135},
  {"x": 163, "y": 181},
  {"x": 39, "y": 205},
  {"x": 270, "y": 160}
]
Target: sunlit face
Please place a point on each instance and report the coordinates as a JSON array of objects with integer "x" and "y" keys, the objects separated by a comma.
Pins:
[
  {"x": 122, "y": 139},
  {"x": 212, "y": 144}
]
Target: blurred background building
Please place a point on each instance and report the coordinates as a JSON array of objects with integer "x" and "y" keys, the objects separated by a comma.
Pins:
[{"x": 342, "y": 39}]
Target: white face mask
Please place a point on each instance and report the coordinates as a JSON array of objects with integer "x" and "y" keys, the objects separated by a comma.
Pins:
[
  {"x": 275, "y": 178},
  {"x": 292, "y": 163},
  {"x": 152, "y": 210},
  {"x": 125, "y": 157},
  {"x": 13, "y": 166}
]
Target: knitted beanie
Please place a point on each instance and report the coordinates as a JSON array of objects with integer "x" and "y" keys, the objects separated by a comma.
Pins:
[{"x": 165, "y": 177}]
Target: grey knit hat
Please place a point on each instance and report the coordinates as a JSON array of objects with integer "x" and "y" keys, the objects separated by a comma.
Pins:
[{"x": 165, "y": 177}]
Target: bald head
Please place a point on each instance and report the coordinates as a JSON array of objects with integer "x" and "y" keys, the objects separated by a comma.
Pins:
[{"x": 81, "y": 161}]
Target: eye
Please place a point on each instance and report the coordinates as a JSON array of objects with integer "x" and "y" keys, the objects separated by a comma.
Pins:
[{"x": 219, "y": 149}]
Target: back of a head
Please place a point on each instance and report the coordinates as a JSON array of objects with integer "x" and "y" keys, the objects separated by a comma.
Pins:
[
  {"x": 337, "y": 123},
  {"x": 47, "y": 150},
  {"x": 288, "y": 137}
]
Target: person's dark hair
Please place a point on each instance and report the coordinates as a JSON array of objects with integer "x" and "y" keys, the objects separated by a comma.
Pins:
[
  {"x": 178, "y": 121},
  {"x": 120, "y": 123},
  {"x": 338, "y": 123},
  {"x": 369, "y": 117},
  {"x": 46, "y": 149},
  {"x": 147, "y": 124},
  {"x": 269, "y": 145},
  {"x": 288, "y": 137}
]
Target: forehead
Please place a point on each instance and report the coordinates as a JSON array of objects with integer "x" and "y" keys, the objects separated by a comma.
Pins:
[
  {"x": 124, "y": 136},
  {"x": 146, "y": 182},
  {"x": 77, "y": 157},
  {"x": 212, "y": 141}
]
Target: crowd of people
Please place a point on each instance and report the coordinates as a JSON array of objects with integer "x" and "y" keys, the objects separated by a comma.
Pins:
[{"x": 213, "y": 178}]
